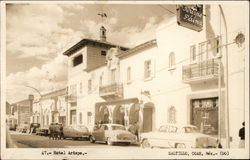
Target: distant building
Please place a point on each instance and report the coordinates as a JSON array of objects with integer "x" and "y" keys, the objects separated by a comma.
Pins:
[
  {"x": 21, "y": 111},
  {"x": 51, "y": 107}
]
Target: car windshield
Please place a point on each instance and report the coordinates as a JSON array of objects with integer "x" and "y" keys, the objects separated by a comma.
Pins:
[
  {"x": 118, "y": 128},
  {"x": 190, "y": 129}
]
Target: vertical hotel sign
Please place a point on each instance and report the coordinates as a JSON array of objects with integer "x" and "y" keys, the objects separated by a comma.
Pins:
[{"x": 190, "y": 16}]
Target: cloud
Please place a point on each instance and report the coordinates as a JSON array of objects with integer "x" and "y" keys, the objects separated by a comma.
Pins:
[
  {"x": 51, "y": 76},
  {"x": 35, "y": 30}
]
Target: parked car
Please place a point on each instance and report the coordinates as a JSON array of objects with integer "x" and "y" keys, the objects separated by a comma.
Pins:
[
  {"x": 75, "y": 132},
  {"x": 13, "y": 127},
  {"x": 177, "y": 136},
  {"x": 112, "y": 133},
  {"x": 42, "y": 131}
]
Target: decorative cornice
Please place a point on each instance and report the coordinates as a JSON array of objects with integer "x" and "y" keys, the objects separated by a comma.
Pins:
[
  {"x": 137, "y": 48},
  {"x": 85, "y": 42}
]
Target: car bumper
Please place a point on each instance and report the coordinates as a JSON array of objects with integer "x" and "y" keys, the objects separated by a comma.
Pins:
[{"x": 124, "y": 141}]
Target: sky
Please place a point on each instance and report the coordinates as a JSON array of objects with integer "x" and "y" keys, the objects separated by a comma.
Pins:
[{"x": 38, "y": 34}]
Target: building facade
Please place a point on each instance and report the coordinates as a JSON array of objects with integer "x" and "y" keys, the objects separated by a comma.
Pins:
[
  {"x": 179, "y": 77},
  {"x": 51, "y": 107},
  {"x": 86, "y": 67},
  {"x": 20, "y": 112}
]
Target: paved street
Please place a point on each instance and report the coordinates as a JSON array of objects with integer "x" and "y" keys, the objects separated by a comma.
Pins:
[{"x": 24, "y": 140}]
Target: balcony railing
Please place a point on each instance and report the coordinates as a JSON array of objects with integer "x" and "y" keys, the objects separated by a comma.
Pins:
[
  {"x": 72, "y": 98},
  {"x": 111, "y": 91},
  {"x": 201, "y": 71}
]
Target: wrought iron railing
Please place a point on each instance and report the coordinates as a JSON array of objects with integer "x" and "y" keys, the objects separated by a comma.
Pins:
[
  {"x": 115, "y": 89},
  {"x": 200, "y": 71}
]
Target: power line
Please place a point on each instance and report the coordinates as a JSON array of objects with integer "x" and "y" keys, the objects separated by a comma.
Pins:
[{"x": 166, "y": 9}]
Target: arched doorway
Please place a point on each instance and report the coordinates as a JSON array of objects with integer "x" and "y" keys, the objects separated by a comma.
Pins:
[
  {"x": 148, "y": 111},
  {"x": 103, "y": 114},
  {"x": 118, "y": 115}
]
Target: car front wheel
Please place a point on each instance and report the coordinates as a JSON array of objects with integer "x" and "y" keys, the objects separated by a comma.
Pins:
[
  {"x": 91, "y": 139},
  {"x": 145, "y": 144}
]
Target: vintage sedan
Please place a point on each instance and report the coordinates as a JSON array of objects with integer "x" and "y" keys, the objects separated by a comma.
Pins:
[
  {"x": 75, "y": 132},
  {"x": 177, "y": 136},
  {"x": 112, "y": 133}
]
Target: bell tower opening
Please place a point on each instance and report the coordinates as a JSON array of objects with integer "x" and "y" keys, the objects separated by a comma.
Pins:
[{"x": 102, "y": 33}]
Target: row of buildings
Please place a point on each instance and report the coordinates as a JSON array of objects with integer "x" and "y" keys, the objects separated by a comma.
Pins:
[{"x": 181, "y": 76}]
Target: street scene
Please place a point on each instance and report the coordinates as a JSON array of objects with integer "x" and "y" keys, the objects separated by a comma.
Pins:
[{"x": 127, "y": 76}]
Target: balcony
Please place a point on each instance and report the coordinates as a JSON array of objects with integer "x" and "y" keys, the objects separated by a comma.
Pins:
[
  {"x": 200, "y": 72},
  {"x": 72, "y": 98},
  {"x": 113, "y": 91}
]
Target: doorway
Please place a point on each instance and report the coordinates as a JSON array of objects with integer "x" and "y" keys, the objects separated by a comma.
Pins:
[{"x": 148, "y": 111}]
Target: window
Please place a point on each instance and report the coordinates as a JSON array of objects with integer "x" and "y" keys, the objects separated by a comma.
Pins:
[
  {"x": 77, "y": 60},
  {"x": 100, "y": 81},
  {"x": 89, "y": 85},
  {"x": 192, "y": 53},
  {"x": 171, "y": 59},
  {"x": 80, "y": 117},
  {"x": 129, "y": 74},
  {"x": 89, "y": 114},
  {"x": 47, "y": 119},
  {"x": 73, "y": 91},
  {"x": 147, "y": 69},
  {"x": 103, "y": 53},
  {"x": 217, "y": 45},
  {"x": 171, "y": 115},
  {"x": 80, "y": 87},
  {"x": 113, "y": 75}
]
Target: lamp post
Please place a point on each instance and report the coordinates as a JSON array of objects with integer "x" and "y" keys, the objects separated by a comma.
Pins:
[{"x": 226, "y": 82}]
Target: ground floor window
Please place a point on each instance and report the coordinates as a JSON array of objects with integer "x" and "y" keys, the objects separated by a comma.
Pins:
[
  {"x": 205, "y": 115},
  {"x": 171, "y": 115},
  {"x": 80, "y": 117},
  {"x": 89, "y": 116}
]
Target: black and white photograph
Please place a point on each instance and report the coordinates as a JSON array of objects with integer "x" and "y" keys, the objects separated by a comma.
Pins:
[{"x": 124, "y": 80}]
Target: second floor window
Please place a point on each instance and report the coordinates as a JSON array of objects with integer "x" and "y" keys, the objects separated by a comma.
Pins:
[
  {"x": 171, "y": 59},
  {"x": 192, "y": 53},
  {"x": 80, "y": 87},
  {"x": 103, "y": 53},
  {"x": 89, "y": 85},
  {"x": 77, "y": 60},
  {"x": 100, "y": 81},
  {"x": 129, "y": 74},
  {"x": 147, "y": 69},
  {"x": 73, "y": 90},
  {"x": 113, "y": 75}
]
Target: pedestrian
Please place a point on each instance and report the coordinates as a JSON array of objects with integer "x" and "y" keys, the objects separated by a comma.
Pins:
[
  {"x": 137, "y": 130},
  {"x": 131, "y": 129},
  {"x": 61, "y": 131},
  {"x": 242, "y": 136}
]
